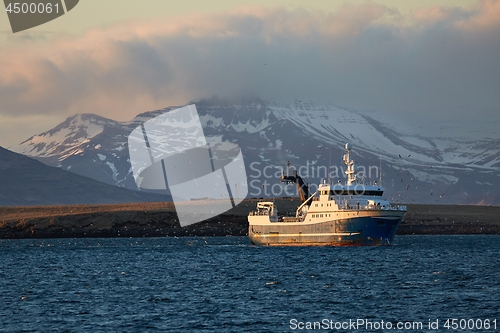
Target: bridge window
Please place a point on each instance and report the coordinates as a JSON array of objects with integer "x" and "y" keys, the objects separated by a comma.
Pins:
[{"x": 356, "y": 192}]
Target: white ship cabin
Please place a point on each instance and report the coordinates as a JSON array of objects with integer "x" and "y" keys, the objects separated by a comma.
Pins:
[
  {"x": 266, "y": 211},
  {"x": 349, "y": 197}
]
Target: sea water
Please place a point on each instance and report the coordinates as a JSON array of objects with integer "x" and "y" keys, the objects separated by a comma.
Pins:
[{"x": 225, "y": 284}]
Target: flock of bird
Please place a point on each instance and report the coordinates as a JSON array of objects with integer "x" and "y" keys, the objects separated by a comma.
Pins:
[{"x": 407, "y": 185}]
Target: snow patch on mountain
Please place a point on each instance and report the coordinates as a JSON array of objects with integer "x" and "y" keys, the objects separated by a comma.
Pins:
[
  {"x": 334, "y": 126},
  {"x": 248, "y": 126},
  {"x": 66, "y": 139},
  {"x": 113, "y": 169}
]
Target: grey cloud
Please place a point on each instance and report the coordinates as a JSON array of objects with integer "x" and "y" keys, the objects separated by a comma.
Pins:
[{"x": 422, "y": 70}]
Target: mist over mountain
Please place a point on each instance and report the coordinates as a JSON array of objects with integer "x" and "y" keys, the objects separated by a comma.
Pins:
[
  {"x": 440, "y": 163},
  {"x": 27, "y": 182}
]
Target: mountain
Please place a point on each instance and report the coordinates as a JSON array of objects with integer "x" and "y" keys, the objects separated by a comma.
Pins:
[
  {"x": 25, "y": 181},
  {"x": 438, "y": 163}
]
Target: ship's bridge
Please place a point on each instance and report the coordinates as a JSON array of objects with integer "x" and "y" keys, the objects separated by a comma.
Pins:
[
  {"x": 351, "y": 196},
  {"x": 353, "y": 189}
]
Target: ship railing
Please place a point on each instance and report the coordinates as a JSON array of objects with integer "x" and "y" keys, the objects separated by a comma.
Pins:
[
  {"x": 373, "y": 207},
  {"x": 258, "y": 213}
]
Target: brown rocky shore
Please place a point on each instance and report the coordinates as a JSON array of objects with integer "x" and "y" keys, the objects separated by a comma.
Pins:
[{"x": 160, "y": 219}]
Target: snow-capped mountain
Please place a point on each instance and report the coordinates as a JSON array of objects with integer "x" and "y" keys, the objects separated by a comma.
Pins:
[{"x": 440, "y": 163}]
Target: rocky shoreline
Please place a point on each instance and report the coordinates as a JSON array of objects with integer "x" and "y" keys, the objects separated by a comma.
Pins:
[{"x": 160, "y": 220}]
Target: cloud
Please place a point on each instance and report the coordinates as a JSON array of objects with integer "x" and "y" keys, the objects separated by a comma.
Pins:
[
  {"x": 435, "y": 60},
  {"x": 485, "y": 15}
]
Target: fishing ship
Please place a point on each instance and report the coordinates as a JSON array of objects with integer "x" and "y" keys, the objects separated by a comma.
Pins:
[{"x": 338, "y": 214}]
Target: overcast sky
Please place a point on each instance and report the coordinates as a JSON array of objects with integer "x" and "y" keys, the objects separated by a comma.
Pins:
[{"x": 440, "y": 60}]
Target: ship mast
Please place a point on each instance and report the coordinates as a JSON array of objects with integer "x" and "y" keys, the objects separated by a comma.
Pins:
[{"x": 351, "y": 165}]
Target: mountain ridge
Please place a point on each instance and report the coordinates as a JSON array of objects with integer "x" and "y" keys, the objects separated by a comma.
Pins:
[
  {"x": 416, "y": 166},
  {"x": 28, "y": 182}
]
